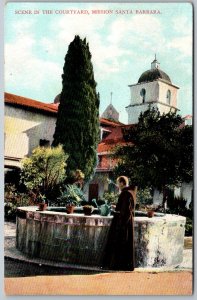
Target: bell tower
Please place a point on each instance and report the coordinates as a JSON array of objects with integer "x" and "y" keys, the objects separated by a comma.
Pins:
[{"x": 154, "y": 88}]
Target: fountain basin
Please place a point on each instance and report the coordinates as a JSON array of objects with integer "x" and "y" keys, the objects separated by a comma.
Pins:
[
  {"x": 79, "y": 239},
  {"x": 97, "y": 212}
]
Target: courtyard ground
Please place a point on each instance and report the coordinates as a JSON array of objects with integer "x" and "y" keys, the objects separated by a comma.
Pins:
[
  {"x": 121, "y": 283},
  {"x": 25, "y": 276}
]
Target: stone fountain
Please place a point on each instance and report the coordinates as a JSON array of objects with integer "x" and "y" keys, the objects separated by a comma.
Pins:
[{"x": 79, "y": 239}]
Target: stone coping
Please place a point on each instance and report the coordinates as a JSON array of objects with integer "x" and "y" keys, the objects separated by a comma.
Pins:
[
  {"x": 34, "y": 209},
  {"x": 166, "y": 218}
]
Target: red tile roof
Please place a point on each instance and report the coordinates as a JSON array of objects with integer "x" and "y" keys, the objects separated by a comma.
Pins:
[
  {"x": 115, "y": 135},
  {"x": 112, "y": 140},
  {"x": 187, "y": 117},
  {"x": 48, "y": 107},
  {"x": 107, "y": 147},
  {"x": 30, "y": 103},
  {"x": 104, "y": 121}
]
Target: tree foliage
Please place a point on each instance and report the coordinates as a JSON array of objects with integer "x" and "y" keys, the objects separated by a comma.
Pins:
[
  {"x": 44, "y": 169},
  {"x": 159, "y": 152},
  {"x": 186, "y": 153},
  {"x": 77, "y": 126}
]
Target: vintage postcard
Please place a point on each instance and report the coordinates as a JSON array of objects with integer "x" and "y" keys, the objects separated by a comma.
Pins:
[{"x": 98, "y": 155}]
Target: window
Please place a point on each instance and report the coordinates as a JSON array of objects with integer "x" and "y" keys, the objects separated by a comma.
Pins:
[
  {"x": 44, "y": 143},
  {"x": 168, "y": 97},
  {"x": 143, "y": 95}
]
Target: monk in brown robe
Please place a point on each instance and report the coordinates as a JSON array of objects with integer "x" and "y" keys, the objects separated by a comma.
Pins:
[{"x": 119, "y": 251}]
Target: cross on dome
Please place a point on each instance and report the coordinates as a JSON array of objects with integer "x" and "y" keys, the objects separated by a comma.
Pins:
[{"x": 155, "y": 64}]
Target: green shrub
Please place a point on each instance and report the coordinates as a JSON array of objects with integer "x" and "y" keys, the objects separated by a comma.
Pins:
[
  {"x": 188, "y": 227},
  {"x": 110, "y": 197},
  {"x": 44, "y": 171},
  {"x": 13, "y": 199},
  {"x": 71, "y": 194},
  {"x": 144, "y": 197},
  {"x": 177, "y": 204}
]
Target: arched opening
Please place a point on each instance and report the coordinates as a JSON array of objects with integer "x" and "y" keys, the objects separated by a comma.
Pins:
[
  {"x": 168, "y": 97},
  {"x": 143, "y": 95}
]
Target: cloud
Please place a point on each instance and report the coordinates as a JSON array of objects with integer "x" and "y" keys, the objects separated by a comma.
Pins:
[
  {"x": 129, "y": 37},
  {"x": 23, "y": 68},
  {"x": 48, "y": 46},
  {"x": 122, "y": 48},
  {"x": 107, "y": 58},
  {"x": 182, "y": 40},
  {"x": 182, "y": 46},
  {"x": 136, "y": 30},
  {"x": 112, "y": 41},
  {"x": 23, "y": 26},
  {"x": 105, "y": 55},
  {"x": 182, "y": 25}
]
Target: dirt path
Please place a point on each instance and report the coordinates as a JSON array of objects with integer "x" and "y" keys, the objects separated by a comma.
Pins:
[{"x": 121, "y": 283}]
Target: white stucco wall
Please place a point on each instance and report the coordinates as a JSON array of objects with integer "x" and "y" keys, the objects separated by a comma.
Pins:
[
  {"x": 177, "y": 191},
  {"x": 134, "y": 111},
  {"x": 186, "y": 191},
  {"x": 24, "y": 129},
  {"x": 163, "y": 88},
  {"x": 152, "y": 92},
  {"x": 157, "y": 197},
  {"x": 155, "y": 91},
  {"x": 16, "y": 145}
]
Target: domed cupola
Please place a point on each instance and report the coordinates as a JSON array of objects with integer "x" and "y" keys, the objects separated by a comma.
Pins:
[{"x": 154, "y": 73}]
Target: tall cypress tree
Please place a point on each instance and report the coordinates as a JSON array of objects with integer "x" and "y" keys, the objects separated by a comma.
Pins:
[{"x": 77, "y": 125}]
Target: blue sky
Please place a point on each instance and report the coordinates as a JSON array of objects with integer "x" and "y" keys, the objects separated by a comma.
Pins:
[{"x": 122, "y": 47}]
